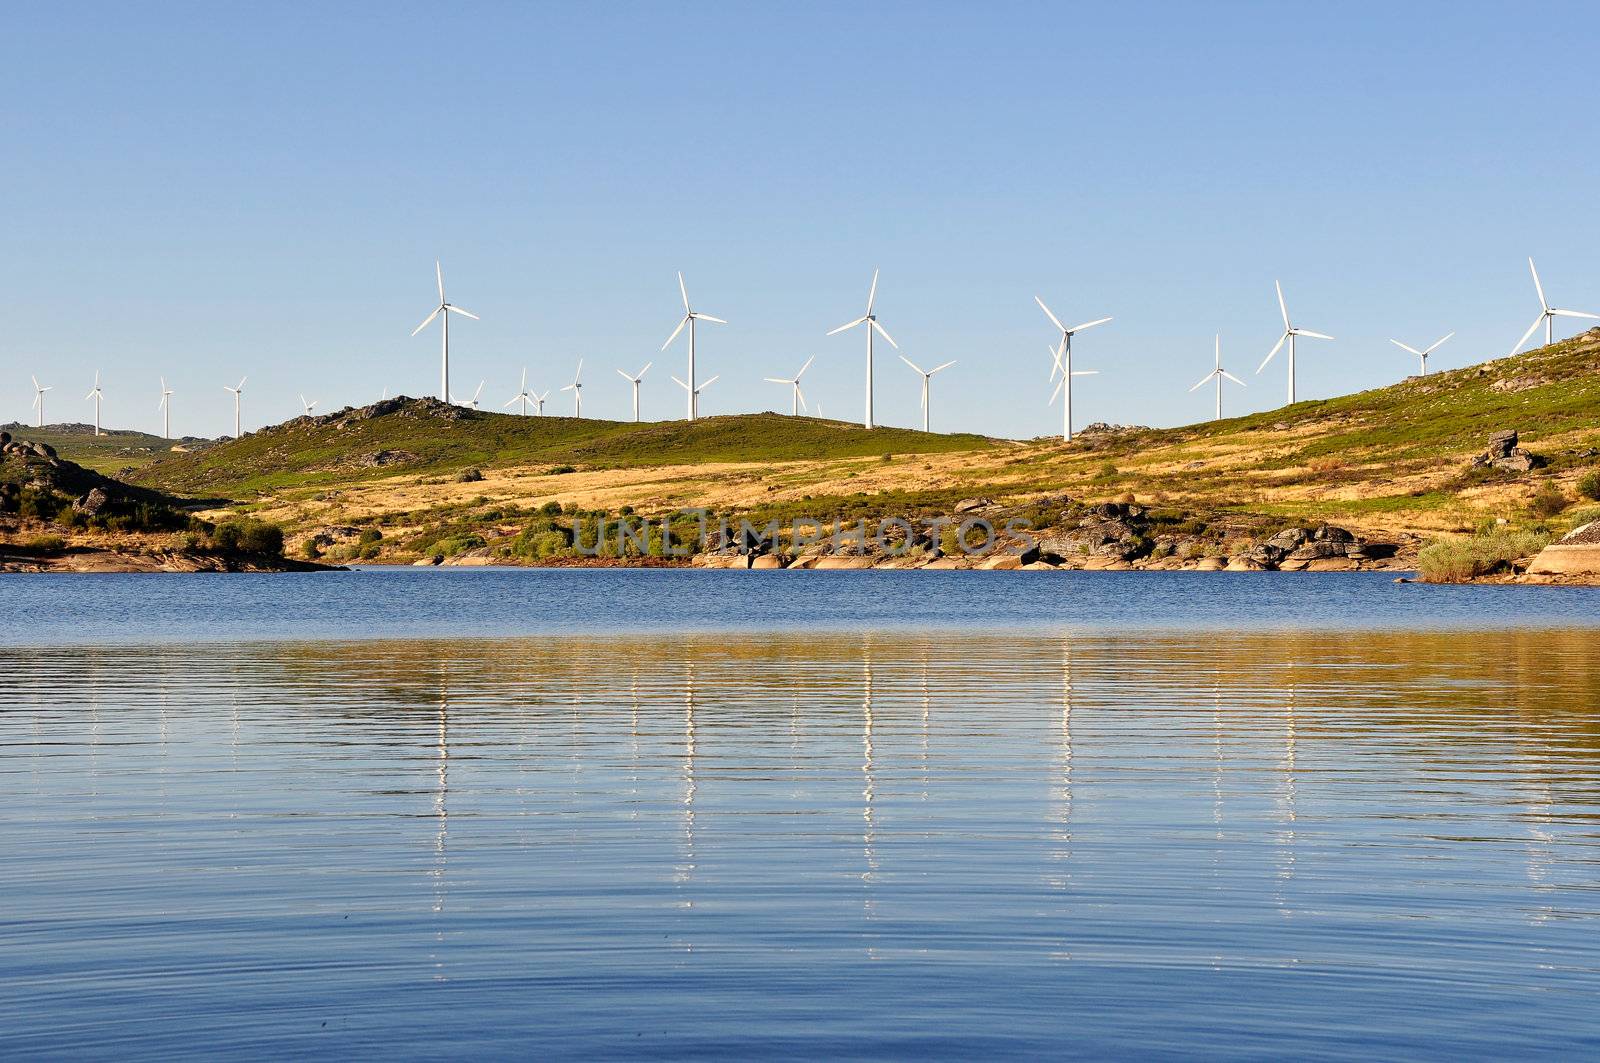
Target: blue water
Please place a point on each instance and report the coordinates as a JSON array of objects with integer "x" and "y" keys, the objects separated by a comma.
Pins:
[{"x": 847, "y": 814}]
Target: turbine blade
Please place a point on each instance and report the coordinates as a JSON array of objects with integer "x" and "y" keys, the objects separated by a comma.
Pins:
[
  {"x": 1057, "y": 392},
  {"x": 707, "y": 383},
  {"x": 1204, "y": 380},
  {"x": 1088, "y": 324},
  {"x": 684, "y": 321},
  {"x": 884, "y": 333},
  {"x": 1436, "y": 344},
  {"x": 438, "y": 272},
  {"x": 708, "y": 317},
  {"x": 1056, "y": 321},
  {"x": 1408, "y": 347},
  {"x": 912, "y": 364},
  {"x": 1086, "y": 372},
  {"x": 464, "y": 313},
  {"x": 1537, "y": 286},
  {"x": 775, "y": 380},
  {"x": 946, "y": 365},
  {"x": 513, "y": 402},
  {"x": 646, "y": 369},
  {"x": 1573, "y": 313},
  {"x": 1313, "y": 335},
  {"x": 684, "y": 291},
  {"x": 680, "y": 383},
  {"x": 872, "y": 293},
  {"x": 1282, "y": 306},
  {"x": 625, "y": 376},
  {"x": 1274, "y": 352},
  {"x": 803, "y": 368},
  {"x": 801, "y": 396},
  {"x": 1055, "y": 353},
  {"x": 1531, "y": 330},
  {"x": 852, "y": 324},
  {"x": 1233, "y": 378},
  {"x": 428, "y": 320}
]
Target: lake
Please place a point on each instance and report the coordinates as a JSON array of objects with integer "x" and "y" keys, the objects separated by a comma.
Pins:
[{"x": 781, "y": 814}]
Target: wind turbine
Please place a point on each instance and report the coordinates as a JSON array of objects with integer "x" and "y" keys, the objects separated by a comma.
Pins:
[
  {"x": 689, "y": 318},
  {"x": 694, "y": 395},
  {"x": 309, "y": 406},
  {"x": 1289, "y": 334},
  {"x": 576, "y": 387},
  {"x": 38, "y": 399},
  {"x": 522, "y": 395},
  {"x": 96, "y": 394},
  {"x": 1062, "y": 354},
  {"x": 1217, "y": 374},
  {"x": 797, "y": 400},
  {"x": 538, "y": 403},
  {"x": 634, "y": 380},
  {"x": 927, "y": 375},
  {"x": 238, "y": 393},
  {"x": 1064, "y": 385},
  {"x": 165, "y": 406},
  {"x": 1422, "y": 355},
  {"x": 1547, "y": 314},
  {"x": 443, "y": 312},
  {"x": 871, "y": 321},
  {"x": 472, "y": 402}
]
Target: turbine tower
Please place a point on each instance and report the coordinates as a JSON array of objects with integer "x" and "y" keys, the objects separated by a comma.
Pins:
[
  {"x": 1422, "y": 355},
  {"x": 689, "y": 318},
  {"x": 538, "y": 403},
  {"x": 443, "y": 312},
  {"x": 694, "y": 394},
  {"x": 1217, "y": 374},
  {"x": 522, "y": 395},
  {"x": 238, "y": 392},
  {"x": 165, "y": 406},
  {"x": 797, "y": 400},
  {"x": 576, "y": 387},
  {"x": 634, "y": 380},
  {"x": 1289, "y": 335},
  {"x": 96, "y": 394},
  {"x": 38, "y": 399},
  {"x": 1062, "y": 353},
  {"x": 871, "y": 321},
  {"x": 927, "y": 375},
  {"x": 1547, "y": 314}
]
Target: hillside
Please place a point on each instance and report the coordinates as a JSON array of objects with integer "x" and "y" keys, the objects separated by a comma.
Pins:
[
  {"x": 108, "y": 453},
  {"x": 1394, "y": 463}
]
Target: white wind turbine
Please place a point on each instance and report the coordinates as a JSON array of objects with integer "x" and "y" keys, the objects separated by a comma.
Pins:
[
  {"x": 1289, "y": 334},
  {"x": 576, "y": 387},
  {"x": 96, "y": 394},
  {"x": 927, "y": 375},
  {"x": 472, "y": 402},
  {"x": 634, "y": 380},
  {"x": 1062, "y": 353},
  {"x": 308, "y": 406},
  {"x": 689, "y": 318},
  {"x": 1217, "y": 374},
  {"x": 443, "y": 312},
  {"x": 797, "y": 400},
  {"x": 1422, "y": 355},
  {"x": 694, "y": 394},
  {"x": 538, "y": 402},
  {"x": 165, "y": 406},
  {"x": 871, "y": 321},
  {"x": 38, "y": 399},
  {"x": 238, "y": 393},
  {"x": 1547, "y": 314},
  {"x": 522, "y": 395}
]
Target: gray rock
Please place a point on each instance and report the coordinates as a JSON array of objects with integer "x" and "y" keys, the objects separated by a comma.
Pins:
[
  {"x": 969, "y": 505},
  {"x": 92, "y": 503},
  {"x": 1501, "y": 444}
]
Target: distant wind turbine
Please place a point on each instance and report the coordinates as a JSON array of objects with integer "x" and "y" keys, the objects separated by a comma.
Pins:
[
  {"x": 522, "y": 395},
  {"x": 1289, "y": 335},
  {"x": 927, "y": 375},
  {"x": 38, "y": 399},
  {"x": 694, "y": 395},
  {"x": 576, "y": 387},
  {"x": 165, "y": 406},
  {"x": 309, "y": 406},
  {"x": 871, "y": 321},
  {"x": 238, "y": 392},
  {"x": 1547, "y": 314},
  {"x": 797, "y": 400},
  {"x": 634, "y": 380},
  {"x": 538, "y": 402},
  {"x": 1062, "y": 352},
  {"x": 1422, "y": 355},
  {"x": 472, "y": 402},
  {"x": 1217, "y": 374},
  {"x": 443, "y": 312},
  {"x": 689, "y": 318},
  {"x": 96, "y": 394}
]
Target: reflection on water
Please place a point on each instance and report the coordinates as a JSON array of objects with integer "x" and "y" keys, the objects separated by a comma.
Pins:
[{"x": 847, "y": 843}]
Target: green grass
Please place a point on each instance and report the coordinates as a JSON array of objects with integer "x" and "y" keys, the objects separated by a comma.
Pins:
[
  {"x": 107, "y": 454},
  {"x": 335, "y": 450},
  {"x": 1483, "y": 554}
]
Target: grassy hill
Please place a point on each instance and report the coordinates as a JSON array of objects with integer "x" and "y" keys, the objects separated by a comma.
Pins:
[
  {"x": 420, "y": 437},
  {"x": 108, "y": 453}
]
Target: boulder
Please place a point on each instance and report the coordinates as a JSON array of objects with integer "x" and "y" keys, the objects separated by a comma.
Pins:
[
  {"x": 1245, "y": 564},
  {"x": 1002, "y": 561},
  {"x": 1501, "y": 444},
  {"x": 1211, "y": 564},
  {"x": 947, "y": 563},
  {"x": 1327, "y": 533},
  {"x": 1332, "y": 564},
  {"x": 1578, "y": 554},
  {"x": 1314, "y": 551},
  {"x": 92, "y": 503},
  {"x": 842, "y": 561},
  {"x": 971, "y": 505},
  {"x": 45, "y": 451},
  {"x": 766, "y": 561}
]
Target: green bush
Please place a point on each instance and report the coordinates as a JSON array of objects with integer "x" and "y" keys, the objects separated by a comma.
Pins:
[
  {"x": 561, "y": 470},
  {"x": 247, "y": 535},
  {"x": 1589, "y": 486},
  {"x": 1483, "y": 554},
  {"x": 369, "y": 536},
  {"x": 456, "y": 544},
  {"x": 47, "y": 544},
  {"x": 1547, "y": 501}
]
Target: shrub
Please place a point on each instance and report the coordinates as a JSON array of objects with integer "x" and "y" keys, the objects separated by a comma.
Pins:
[
  {"x": 470, "y": 476},
  {"x": 1547, "y": 501},
  {"x": 561, "y": 470},
  {"x": 1589, "y": 486},
  {"x": 551, "y": 509},
  {"x": 1108, "y": 471},
  {"x": 369, "y": 536},
  {"x": 47, "y": 544},
  {"x": 1459, "y": 560},
  {"x": 457, "y": 544},
  {"x": 247, "y": 535},
  {"x": 310, "y": 550}
]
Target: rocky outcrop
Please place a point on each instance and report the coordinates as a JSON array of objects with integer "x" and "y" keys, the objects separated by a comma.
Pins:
[
  {"x": 1578, "y": 554},
  {"x": 1505, "y": 454}
]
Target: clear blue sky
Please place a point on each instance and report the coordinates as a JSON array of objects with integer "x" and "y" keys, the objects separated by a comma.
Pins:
[{"x": 262, "y": 189}]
